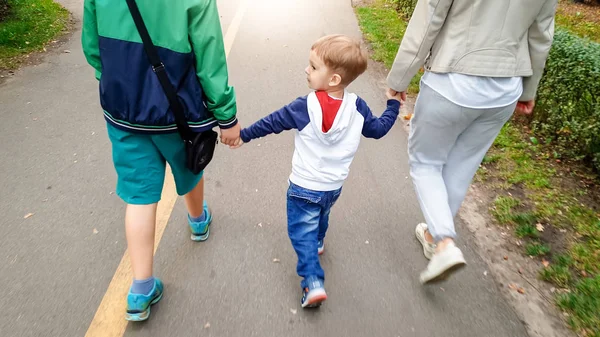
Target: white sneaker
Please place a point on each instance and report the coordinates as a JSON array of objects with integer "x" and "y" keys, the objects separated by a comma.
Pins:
[
  {"x": 428, "y": 248},
  {"x": 443, "y": 264}
]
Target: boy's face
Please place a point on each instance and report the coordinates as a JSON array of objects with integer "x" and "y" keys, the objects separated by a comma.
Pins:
[{"x": 318, "y": 75}]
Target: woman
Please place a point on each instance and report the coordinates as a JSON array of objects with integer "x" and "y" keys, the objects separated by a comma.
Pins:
[{"x": 483, "y": 59}]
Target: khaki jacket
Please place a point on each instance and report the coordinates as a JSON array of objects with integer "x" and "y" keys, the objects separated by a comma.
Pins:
[{"x": 492, "y": 38}]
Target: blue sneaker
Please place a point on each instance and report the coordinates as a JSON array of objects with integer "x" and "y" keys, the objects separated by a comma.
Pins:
[
  {"x": 313, "y": 293},
  {"x": 201, "y": 229},
  {"x": 321, "y": 247},
  {"x": 138, "y": 305}
]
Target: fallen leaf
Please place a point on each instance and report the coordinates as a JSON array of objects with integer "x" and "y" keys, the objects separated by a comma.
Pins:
[
  {"x": 45, "y": 49},
  {"x": 539, "y": 227},
  {"x": 520, "y": 270},
  {"x": 207, "y": 325},
  {"x": 95, "y": 231},
  {"x": 28, "y": 215},
  {"x": 545, "y": 263},
  {"x": 512, "y": 286},
  {"x": 506, "y": 257},
  {"x": 442, "y": 289},
  {"x": 276, "y": 260},
  {"x": 294, "y": 311},
  {"x": 584, "y": 273},
  {"x": 521, "y": 291},
  {"x": 407, "y": 117}
]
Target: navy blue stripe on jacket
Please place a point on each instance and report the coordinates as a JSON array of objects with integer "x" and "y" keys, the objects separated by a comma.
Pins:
[{"x": 126, "y": 70}]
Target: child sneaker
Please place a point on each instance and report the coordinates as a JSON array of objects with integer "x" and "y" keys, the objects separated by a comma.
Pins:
[
  {"x": 201, "y": 229},
  {"x": 313, "y": 293},
  {"x": 138, "y": 305},
  {"x": 321, "y": 247}
]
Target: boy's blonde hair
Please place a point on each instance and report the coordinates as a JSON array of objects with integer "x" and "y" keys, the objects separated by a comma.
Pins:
[{"x": 343, "y": 55}]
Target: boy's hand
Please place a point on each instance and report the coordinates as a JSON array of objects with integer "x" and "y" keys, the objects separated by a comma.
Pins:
[
  {"x": 231, "y": 135},
  {"x": 237, "y": 144},
  {"x": 397, "y": 95}
]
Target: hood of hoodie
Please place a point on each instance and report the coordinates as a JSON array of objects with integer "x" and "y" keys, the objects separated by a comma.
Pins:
[{"x": 341, "y": 123}]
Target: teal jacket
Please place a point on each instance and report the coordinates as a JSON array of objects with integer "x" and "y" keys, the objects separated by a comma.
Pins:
[{"x": 188, "y": 36}]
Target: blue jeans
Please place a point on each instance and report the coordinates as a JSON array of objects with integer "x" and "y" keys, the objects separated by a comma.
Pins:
[{"x": 308, "y": 220}]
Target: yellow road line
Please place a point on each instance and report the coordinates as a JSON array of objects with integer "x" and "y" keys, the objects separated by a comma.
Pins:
[{"x": 109, "y": 320}]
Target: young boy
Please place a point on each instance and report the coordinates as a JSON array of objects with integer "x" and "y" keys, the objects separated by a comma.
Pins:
[
  {"x": 329, "y": 124},
  {"x": 140, "y": 125}
]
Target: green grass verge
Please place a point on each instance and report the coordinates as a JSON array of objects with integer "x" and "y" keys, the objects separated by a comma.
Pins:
[
  {"x": 519, "y": 162},
  {"x": 384, "y": 28},
  {"x": 577, "y": 24},
  {"x": 29, "y": 26}
]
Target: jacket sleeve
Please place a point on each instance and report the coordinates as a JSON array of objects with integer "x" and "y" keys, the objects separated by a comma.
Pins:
[
  {"x": 89, "y": 36},
  {"x": 424, "y": 26},
  {"x": 540, "y": 37},
  {"x": 206, "y": 38},
  {"x": 374, "y": 127},
  {"x": 291, "y": 116}
]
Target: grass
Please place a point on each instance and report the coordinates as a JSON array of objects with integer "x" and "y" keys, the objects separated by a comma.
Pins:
[
  {"x": 584, "y": 23},
  {"x": 519, "y": 161},
  {"x": 384, "y": 28},
  {"x": 537, "y": 249},
  {"x": 577, "y": 25},
  {"x": 522, "y": 163},
  {"x": 584, "y": 298},
  {"x": 28, "y": 27}
]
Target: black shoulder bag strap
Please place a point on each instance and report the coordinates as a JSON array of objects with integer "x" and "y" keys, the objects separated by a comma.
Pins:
[{"x": 159, "y": 69}]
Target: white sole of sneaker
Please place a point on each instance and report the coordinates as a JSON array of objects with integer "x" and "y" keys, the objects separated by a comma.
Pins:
[
  {"x": 315, "y": 298},
  {"x": 421, "y": 237},
  {"x": 442, "y": 275}
]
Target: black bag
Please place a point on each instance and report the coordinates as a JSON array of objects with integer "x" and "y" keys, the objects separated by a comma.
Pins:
[{"x": 199, "y": 146}]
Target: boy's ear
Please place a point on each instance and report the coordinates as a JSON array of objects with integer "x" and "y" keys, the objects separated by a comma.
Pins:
[{"x": 335, "y": 80}]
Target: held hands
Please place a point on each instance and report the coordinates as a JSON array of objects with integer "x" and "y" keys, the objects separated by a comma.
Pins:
[
  {"x": 231, "y": 137},
  {"x": 397, "y": 95}
]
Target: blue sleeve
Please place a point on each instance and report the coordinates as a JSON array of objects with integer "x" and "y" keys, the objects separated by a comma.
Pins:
[
  {"x": 291, "y": 116},
  {"x": 374, "y": 127}
]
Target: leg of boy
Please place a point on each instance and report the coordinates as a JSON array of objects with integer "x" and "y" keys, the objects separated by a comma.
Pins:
[
  {"x": 194, "y": 200},
  {"x": 140, "y": 174},
  {"x": 304, "y": 209},
  {"x": 331, "y": 197},
  {"x": 190, "y": 185},
  {"x": 303, "y": 228},
  {"x": 140, "y": 223}
]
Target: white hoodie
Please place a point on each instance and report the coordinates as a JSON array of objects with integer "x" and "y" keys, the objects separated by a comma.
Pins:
[{"x": 322, "y": 160}]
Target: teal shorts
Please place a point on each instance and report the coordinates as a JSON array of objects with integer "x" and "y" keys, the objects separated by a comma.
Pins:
[{"x": 140, "y": 161}]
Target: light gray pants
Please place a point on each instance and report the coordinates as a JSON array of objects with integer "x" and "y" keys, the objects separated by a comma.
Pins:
[{"x": 446, "y": 145}]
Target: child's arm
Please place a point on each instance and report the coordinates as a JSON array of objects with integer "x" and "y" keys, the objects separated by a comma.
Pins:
[
  {"x": 291, "y": 116},
  {"x": 206, "y": 38},
  {"x": 374, "y": 127},
  {"x": 89, "y": 36}
]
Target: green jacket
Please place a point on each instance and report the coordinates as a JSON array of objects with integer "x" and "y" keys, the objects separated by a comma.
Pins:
[{"x": 188, "y": 36}]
